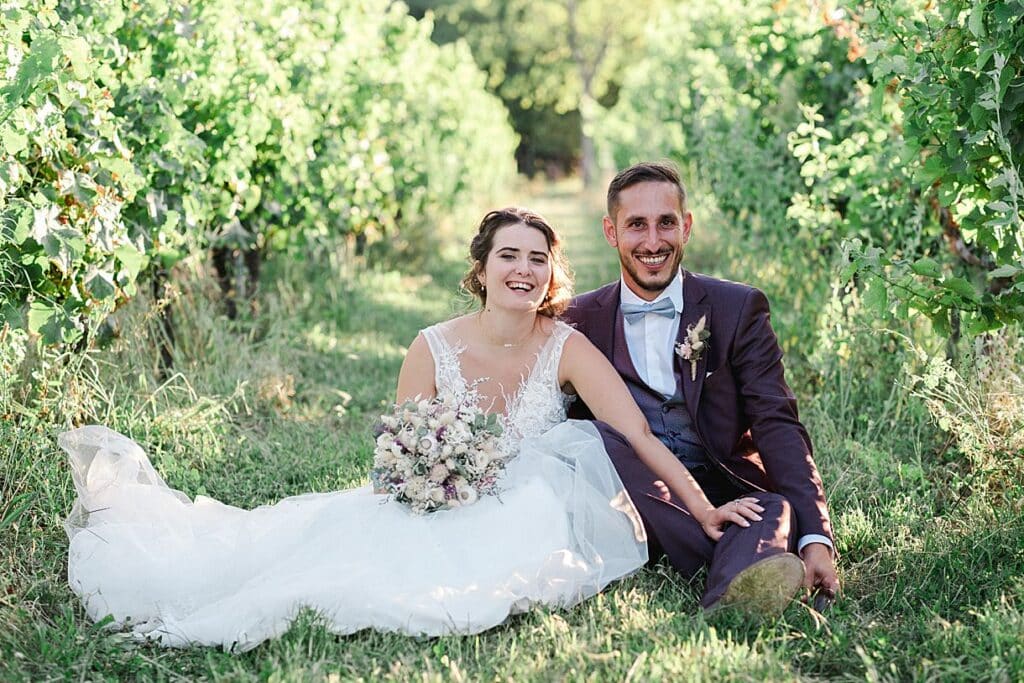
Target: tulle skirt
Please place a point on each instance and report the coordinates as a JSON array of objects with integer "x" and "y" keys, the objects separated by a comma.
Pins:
[{"x": 186, "y": 572}]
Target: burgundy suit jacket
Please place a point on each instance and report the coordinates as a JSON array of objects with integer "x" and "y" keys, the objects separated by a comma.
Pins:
[{"x": 744, "y": 412}]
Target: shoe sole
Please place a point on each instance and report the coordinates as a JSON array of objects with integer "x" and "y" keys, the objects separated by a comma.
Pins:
[{"x": 766, "y": 587}]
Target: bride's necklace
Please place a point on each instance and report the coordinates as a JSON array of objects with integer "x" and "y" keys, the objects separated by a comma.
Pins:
[{"x": 505, "y": 345}]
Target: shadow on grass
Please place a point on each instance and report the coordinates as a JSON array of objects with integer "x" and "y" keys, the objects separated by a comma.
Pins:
[{"x": 283, "y": 404}]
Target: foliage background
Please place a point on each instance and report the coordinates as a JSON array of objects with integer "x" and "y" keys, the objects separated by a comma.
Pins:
[{"x": 221, "y": 225}]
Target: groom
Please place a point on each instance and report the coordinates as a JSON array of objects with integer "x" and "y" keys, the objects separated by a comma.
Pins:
[{"x": 703, "y": 363}]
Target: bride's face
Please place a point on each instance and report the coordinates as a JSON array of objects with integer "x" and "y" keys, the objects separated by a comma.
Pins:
[{"x": 517, "y": 273}]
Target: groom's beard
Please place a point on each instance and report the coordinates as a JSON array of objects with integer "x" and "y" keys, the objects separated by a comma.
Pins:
[{"x": 654, "y": 283}]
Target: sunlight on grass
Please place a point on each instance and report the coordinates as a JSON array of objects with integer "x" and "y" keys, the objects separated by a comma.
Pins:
[
  {"x": 282, "y": 401},
  {"x": 348, "y": 345}
]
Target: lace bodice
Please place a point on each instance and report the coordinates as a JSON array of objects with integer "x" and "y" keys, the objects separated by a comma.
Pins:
[{"x": 535, "y": 407}]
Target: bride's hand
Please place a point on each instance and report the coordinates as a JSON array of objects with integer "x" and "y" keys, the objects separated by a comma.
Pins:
[{"x": 737, "y": 511}]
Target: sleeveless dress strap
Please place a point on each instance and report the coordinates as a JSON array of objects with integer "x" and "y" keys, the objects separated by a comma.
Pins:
[
  {"x": 447, "y": 374},
  {"x": 547, "y": 364}
]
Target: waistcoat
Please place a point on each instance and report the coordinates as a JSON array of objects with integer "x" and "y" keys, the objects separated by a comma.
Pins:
[{"x": 668, "y": 417}]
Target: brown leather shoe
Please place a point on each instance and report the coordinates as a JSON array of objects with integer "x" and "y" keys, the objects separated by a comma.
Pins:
[{"x": 766, "y": 587}]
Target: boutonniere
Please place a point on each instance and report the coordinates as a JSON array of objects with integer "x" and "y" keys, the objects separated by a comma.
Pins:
[{"x": 696, "y": 343}]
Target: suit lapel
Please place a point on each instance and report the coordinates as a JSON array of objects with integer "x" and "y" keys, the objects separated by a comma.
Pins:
[
  {"x": 694, "y": 307},
  {"x": 622, "y": 360},
  {"x": 601, "y": 320},
  {"x": 607, "y": 332}
]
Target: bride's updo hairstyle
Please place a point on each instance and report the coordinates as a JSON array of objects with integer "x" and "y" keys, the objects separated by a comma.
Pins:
[{"x": 560, "y": 287}]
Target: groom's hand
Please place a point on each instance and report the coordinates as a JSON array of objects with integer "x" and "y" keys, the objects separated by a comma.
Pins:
[{"x": 820, "y": 578}]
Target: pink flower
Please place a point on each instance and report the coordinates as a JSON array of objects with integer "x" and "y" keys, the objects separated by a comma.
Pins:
[{"x": 694, "y": 344}]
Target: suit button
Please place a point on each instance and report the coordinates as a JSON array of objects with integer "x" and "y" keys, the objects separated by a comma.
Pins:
[{"x": 666, "y": 409}]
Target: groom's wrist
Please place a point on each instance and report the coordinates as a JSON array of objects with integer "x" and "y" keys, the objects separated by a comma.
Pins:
[{"x": 808, "y": 539}]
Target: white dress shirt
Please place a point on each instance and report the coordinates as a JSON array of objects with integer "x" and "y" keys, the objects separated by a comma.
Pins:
[{"x": 651, "y": 341}]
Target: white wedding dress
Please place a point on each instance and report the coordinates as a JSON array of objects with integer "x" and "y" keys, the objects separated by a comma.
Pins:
[{"x": 199, "y": 572}]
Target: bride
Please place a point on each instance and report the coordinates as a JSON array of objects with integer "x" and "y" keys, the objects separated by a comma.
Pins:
[{"x": 200, "y": 572}]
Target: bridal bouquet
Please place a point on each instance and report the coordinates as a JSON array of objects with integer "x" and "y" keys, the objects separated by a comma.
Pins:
[{"x": 437, "y": 454}]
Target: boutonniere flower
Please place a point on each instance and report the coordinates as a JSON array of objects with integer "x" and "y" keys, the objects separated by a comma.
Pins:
[{"x": 692, "y": 348}]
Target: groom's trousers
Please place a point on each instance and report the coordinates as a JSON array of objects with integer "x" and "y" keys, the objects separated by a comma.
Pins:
[{"x": 674, "y": 533}]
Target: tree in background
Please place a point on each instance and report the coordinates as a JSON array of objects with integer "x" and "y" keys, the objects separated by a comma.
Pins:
[
  {"x": 135, "y": 138},
  {"x": 719, "y": 90},
  {"x": 887, "y": 134},
  {"x": 864, "y": 161},
  {"x": 956, "y": 71},
  {"x": 67, "y": 253},
  {"x": 553, "y": 62}
]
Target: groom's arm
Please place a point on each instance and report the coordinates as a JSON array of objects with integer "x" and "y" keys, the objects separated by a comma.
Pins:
[{"x": 770, "y": 407}]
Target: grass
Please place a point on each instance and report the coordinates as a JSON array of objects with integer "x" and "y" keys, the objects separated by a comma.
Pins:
[{"x": 281, "y": 403}]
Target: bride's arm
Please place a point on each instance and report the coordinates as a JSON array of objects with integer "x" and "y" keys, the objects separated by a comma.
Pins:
[
  {"x": 604, "y": 392},
  {"x": 416, "y": 378}
]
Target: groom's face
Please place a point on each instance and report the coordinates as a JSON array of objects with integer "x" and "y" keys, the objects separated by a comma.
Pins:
[{"x": 650, "y": 229}]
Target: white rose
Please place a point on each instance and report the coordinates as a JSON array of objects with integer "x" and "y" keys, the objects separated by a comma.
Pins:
[
  {"x": 427, "y": 444},
  {"x": 437, "y": 494}
]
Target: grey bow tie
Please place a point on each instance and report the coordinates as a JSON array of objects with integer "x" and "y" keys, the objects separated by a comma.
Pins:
[{"x": 634, "y": 312}]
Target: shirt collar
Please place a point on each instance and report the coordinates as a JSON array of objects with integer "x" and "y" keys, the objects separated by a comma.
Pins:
[{"x": 673, "y": 291}]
